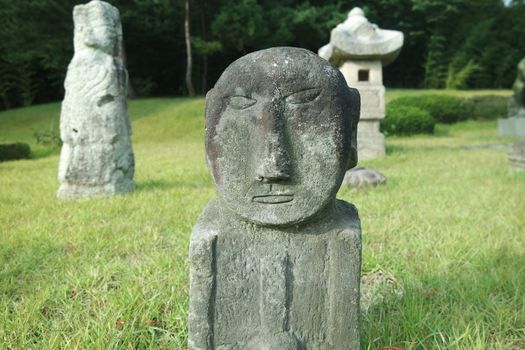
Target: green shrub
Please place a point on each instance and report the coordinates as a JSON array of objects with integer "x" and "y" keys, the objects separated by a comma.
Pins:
[
  {"x": 487, "y": 107},
  {"x": 12, "y": 151},
  {"x": 444, "y": 108},
  {"x": 47, "y": 138},
  {"x": 407, "y": 120}
]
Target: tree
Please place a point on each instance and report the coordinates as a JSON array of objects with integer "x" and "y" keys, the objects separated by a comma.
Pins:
[
  {"x": 187, "y": 36},
  {"x": 465, "y": 43},
  {"x": 239, "y": 25}
]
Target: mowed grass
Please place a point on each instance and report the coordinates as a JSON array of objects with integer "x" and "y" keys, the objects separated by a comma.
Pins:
[
  {"x": 112, "y": 273},
  {"x": 392, "y": 94}
]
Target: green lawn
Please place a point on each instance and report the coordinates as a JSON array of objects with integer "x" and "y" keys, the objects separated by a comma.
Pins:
[
  {"x": 113, "y": 273},
  {"x": 395, "y": 93}
]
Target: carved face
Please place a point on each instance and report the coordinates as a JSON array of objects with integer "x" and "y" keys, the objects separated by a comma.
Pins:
[
  {"x": 100, "y": 36},
  {"x": 280, "y": 134},
  {"x": 96, "y": 25}
]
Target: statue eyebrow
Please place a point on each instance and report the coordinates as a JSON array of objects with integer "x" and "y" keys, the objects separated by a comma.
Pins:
[
  {"x": 302, "y": 90},
  {"x": 238, "y": 95}
]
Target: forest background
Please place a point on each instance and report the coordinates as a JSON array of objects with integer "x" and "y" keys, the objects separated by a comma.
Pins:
[{"x": 455, "y": 44}]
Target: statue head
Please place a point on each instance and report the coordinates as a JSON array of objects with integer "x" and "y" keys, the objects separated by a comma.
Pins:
[
  {"x": 97, "y": 26},
  {"x": 521, "y": 70},
  {"x": 519, "y": 89},
  {"x": 281, "y": 129}
]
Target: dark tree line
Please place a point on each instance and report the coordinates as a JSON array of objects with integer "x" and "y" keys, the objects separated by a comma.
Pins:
[{"x": 448, "y": 43}]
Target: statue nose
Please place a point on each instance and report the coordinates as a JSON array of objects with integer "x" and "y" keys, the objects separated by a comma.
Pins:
[{"x": 275, "y": 165}]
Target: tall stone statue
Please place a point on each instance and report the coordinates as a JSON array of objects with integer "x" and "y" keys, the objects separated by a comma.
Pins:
[
  {"x": 360, "y": 49},
  {"x": 514, "y": 125},
  {"x": 516, "y": 153},
  {"x": 96, "y": 158},
  {"x": 517, "y": 102},
  {"x": 275, "y": 261}
]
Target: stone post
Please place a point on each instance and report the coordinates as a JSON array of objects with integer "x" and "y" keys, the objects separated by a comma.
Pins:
[
  {"x": 275, "y": 261},
  {"x": 360, "y": 49},
  {"x": 516, "y": 156},
  {"x": 514, "y": 125},
  {"x": 96, "y": 157}
]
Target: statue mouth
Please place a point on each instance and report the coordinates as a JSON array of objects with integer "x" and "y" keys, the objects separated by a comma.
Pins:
[{"x": 273, "y": 198}]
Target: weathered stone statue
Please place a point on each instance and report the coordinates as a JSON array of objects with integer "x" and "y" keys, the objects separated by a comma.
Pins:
[
  {"x": 96, "y": 157},
  {"x": 514, "y": 125},
  {"x": 275, "y": 261},
  {"x": 360, "y": 49},
  {"x": 517, "y": 102},
  {"x": 516, "y": 156}
]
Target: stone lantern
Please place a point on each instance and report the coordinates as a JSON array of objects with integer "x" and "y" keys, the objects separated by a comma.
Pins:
[{"x": 360, "y": 49}]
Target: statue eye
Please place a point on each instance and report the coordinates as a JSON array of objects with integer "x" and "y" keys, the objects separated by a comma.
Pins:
[
  {"x": 303, "y": 96},
  {"x": 240, "y": 102}
]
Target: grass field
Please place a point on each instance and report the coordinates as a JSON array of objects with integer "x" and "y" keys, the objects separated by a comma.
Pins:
[
  {"x": 113, "y": 273},
  {"x": 395, "y": 93}
]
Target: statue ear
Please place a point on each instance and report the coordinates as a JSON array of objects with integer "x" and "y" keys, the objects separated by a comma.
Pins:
[
  {"x": 207, "y": 117},
  {"x": 208, "y": 94},
  {"x": 79, "y": 13},
  {"x": 355, "y": 110}
]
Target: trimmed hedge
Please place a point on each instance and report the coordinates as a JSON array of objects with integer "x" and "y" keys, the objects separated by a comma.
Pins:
[
  {"x": 407, "y": 120},
  {"x": 444, "y": 108},
  {"x": 487, "y": 107},
  {"x": 13, "y": 151}
]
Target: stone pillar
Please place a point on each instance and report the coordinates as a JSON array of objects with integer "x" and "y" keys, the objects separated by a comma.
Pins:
[
  {"x": 360, "y": 49},
  {"x": 275, "y": 261},
  {"x": 516, "y": 156},
  {"x": 367, "y": 77},
  {"x": 514, "y": 125},
  {"x": 96, "y": 157}
]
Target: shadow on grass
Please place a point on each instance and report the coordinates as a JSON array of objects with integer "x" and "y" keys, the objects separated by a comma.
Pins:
[
  {"x": 151, "y": 185},
  {"x": 23, "y": 263},
  {"x": 487, "y": 292},
  {"x": 43, "y": 152}
]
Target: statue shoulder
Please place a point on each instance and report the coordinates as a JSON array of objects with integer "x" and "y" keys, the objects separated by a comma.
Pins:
[
  {"x": 348, "y": 218},
  {"x": 207, "y": 225},
  {"x": 346, "y": 208}
]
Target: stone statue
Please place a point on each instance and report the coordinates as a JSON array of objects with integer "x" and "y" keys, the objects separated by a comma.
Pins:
[
  {"x": 514, "y": 125},
  {"x": 516, "y": 154},
  {"x": 275, "y": 261},
  {"x": 360, "y": 49},
  {"x": 517, "y": 102},
  {"x": 96, "y": 157},
  {"x": 356, "y": 39}
]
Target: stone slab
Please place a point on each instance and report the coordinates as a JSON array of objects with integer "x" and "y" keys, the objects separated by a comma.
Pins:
[{"x": 514, "y": 126}]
